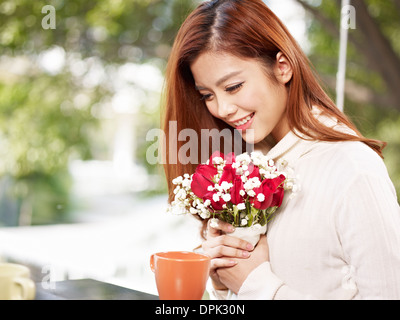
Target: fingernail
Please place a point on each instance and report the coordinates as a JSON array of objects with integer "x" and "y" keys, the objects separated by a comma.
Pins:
[
  {"x": 231, "y": 229},
  {"x": 246, "y": 254},
  {"x": 233, "y": 262},
  {"x": 249, "y": 247}
]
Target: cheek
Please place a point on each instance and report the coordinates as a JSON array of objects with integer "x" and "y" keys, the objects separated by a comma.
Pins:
[
  {"x": 255, "y": 98},
  {"x": 212, "y": 108}
]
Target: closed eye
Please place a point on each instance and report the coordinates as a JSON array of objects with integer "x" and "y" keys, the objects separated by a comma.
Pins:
[
  {"x": 205, "y": 97},
  {"x": 234, "y": 88}
]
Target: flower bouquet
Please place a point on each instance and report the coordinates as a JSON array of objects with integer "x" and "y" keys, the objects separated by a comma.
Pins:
[{"x": 244, "y": 190}]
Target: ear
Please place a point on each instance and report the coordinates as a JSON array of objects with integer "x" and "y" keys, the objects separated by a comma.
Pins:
[{"x": 283, "y": 69}]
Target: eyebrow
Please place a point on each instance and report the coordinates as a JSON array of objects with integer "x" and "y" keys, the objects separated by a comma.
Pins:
[{"x": 223, "y": 79}]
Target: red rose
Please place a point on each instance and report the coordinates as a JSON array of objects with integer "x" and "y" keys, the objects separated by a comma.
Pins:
[
  {"x": 216, "y": 154},
  {"x": 267, "y": 190},
  {"x": 236, "y": 198},
  {"x": 216, "y": 205},
  {"x": 279, "y": 191},
  {"x": 278, "y": 197},
  {"x": 254, "y": 171},
  {"x": 228, "y": 174},
  {"x": 230, "y": 158},
  {"x": 202, "y": 179}
]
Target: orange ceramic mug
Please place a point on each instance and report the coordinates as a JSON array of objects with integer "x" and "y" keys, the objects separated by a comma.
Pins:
[{"x": 180, "y": 275}]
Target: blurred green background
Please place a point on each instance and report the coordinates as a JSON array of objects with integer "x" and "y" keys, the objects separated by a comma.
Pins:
[{"x": 77, "y": 101}]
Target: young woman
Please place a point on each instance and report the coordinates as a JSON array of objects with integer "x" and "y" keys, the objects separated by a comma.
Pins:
[{"x": 235, "y": 66}]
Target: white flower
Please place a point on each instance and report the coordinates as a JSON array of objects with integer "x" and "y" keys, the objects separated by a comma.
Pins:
[
  {"x": 225, "y": 185},
  {"x": 243, "y": 222},
  {"x": 177, "y": 180},
  {"x": 241, "y": 206},
  {"x": 218, "y": 160},
  {"x": 186, "y": 183},
  {"x": 260, "y": 197},
  {"x": 214, "y": 223},
  {"x": 181, "y": 194},
  {"x": 242, "y": 193},
  {"x": 251, "y": 193},
  {"x": 226, "y": 197},
  {"x": 177, "y": 209},
  {"x": 215, "y": 197},
  {"x": 205, "y": 214}
]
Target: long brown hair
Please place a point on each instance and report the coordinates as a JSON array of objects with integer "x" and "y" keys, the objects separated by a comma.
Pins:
[{"x": 246, "y": 29}]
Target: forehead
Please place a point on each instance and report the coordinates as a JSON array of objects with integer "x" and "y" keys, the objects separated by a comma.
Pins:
[{"x": 211, "y": 67}]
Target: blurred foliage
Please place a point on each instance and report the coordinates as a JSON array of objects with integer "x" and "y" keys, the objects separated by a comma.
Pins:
[
  {"x": 52, "y": 114},
  {"x": 374, "y": 119}
]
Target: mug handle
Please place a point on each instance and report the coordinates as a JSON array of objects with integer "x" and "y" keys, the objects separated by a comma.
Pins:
[
  {"x": 152, "y": 266},
  {"x": 27, "y": 288}
]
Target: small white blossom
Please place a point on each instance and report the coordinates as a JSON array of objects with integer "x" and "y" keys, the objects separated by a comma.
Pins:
[
  {"x": 205, "y": 215},
  {"x": 241, "y": 206},
  {"x": 215, "y": 197},
  {"x": 177, "y": 180},
  {"x": 218, "y": 160},
  {"x": 251, "y": 193},
  {"x": 243, "y": 222},
  {"x": 260, "y": 197},
  {"x": 214, "y": 223},
  {"x": 225, "y": 185},
  {"x": 186, "y": 183},
  {"x": 226, "y": 197}
]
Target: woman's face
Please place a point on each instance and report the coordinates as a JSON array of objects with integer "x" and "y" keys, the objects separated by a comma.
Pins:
[{"x": 239, "y": 92}]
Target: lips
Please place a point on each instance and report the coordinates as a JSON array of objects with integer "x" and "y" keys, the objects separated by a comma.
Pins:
[{"x": 243, "y": 123}]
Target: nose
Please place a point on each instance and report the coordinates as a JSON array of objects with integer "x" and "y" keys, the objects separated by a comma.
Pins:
[{"x": 226, "y": 109}]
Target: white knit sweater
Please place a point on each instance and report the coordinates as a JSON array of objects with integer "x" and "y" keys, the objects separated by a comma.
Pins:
[{"x": 339, "y": 236}]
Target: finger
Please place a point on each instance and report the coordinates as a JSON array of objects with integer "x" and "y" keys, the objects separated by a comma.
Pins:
[
  {"x": 223, "y": 251},
  {"x": 226, "y": 240},
  {"x": 214, "y": 229},
  {"x": 227, "y": 246},
  {"x": 222, "y": 263}
]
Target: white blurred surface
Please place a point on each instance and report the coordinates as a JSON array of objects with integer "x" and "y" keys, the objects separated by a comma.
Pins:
[{"x": 115, "y": 250}]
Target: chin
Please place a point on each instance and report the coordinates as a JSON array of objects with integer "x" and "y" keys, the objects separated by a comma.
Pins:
[{"x": 251, "y": 137}]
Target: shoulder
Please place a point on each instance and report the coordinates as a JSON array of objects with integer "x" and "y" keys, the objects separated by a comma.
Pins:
[
  {"x": 351, "y": 170},
  {"x": 349, "y": 156},
  {"x": 340, "y": 164}
]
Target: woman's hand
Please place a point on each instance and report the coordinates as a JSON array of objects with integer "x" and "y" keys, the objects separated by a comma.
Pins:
[
  {"x": 223, "y": 249},
  {"x": 234, "y": 277}
]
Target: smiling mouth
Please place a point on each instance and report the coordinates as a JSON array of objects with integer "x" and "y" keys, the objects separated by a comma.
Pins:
[{"x": 243, "y": 121}]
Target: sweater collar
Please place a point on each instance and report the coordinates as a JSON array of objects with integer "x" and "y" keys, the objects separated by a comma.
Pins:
[
  {"x": 291, "y": 148},
  {"x": 295, "y": 144}
]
